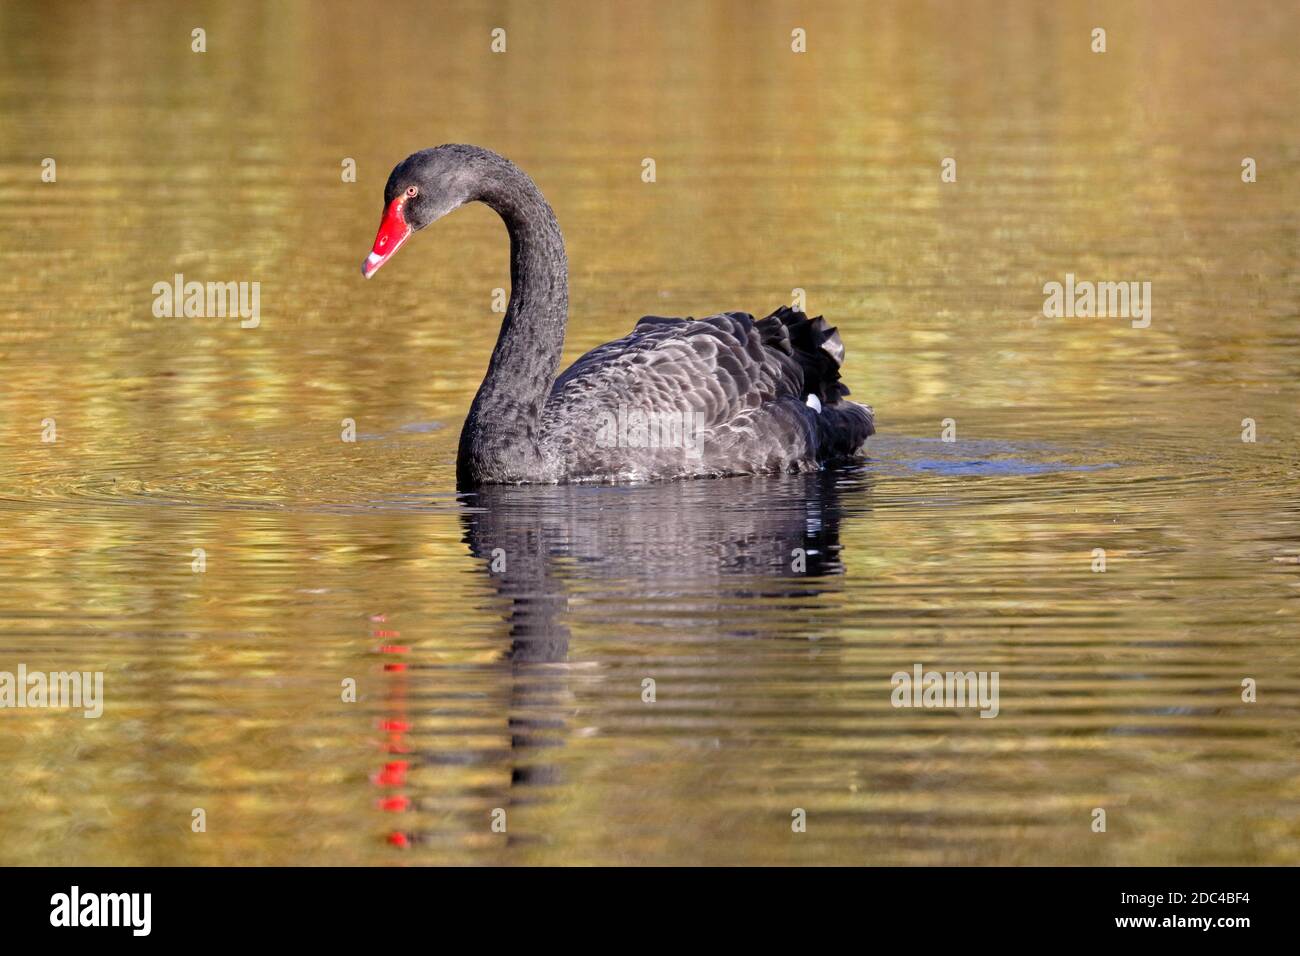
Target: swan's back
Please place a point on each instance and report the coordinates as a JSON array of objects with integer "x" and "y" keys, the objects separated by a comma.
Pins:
[{"x": 714, "y": 396}]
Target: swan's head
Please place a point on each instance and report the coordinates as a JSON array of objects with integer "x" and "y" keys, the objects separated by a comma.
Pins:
[{"x": 421, "y": 189}]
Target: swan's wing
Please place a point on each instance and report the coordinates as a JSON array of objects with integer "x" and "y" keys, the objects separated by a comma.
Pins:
[
  {"x": 717, "y": 366},
  {"x": 745, "y": 385},
  {"x": 786, "y": 353}
]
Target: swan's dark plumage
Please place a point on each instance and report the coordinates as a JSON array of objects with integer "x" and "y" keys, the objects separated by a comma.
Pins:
[
  {"x": 748, "y": 381},
  {"x": 674, "y": 398}
]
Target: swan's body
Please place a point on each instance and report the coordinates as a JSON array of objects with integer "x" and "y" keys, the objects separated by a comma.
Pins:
[{"x": 675, "y": 398}]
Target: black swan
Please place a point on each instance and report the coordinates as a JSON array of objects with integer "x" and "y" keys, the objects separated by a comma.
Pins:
[{"x": 675, "y": 398}]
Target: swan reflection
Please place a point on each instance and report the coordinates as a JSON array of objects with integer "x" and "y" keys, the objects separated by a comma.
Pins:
[
  {"x": 776, "y": 536},
  {"x": 692, "y": 548}
]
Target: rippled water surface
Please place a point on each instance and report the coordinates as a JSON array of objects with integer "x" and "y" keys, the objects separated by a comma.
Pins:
[{"x": 769, "y": 612}]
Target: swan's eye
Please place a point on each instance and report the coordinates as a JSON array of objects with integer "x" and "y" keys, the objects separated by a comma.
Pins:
[{"x": 411, "y": 191}]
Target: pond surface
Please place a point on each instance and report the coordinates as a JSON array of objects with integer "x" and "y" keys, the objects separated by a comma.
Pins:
[{"x": 770, "y": 613}]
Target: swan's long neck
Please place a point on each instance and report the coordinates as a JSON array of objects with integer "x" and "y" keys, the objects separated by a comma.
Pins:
[{"x": 500, "y": 439}]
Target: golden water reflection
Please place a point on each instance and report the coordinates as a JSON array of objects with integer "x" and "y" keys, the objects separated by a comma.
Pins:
[{"x": 478, "y": 691}]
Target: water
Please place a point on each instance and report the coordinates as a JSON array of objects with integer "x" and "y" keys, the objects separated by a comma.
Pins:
[{"x": 521, "y": 689}]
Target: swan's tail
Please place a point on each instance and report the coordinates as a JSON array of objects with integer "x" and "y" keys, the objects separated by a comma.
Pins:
[{"x": 843, "y": 426}]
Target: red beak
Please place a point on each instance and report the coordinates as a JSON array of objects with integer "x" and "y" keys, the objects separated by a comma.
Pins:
[{"x": 393, "y": 231}]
